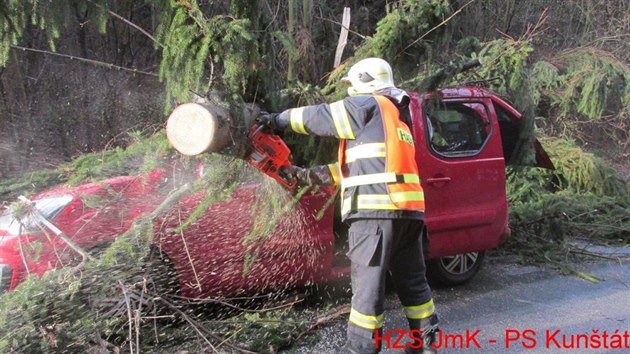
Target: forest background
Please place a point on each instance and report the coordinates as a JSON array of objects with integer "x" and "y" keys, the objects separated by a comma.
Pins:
[{"x": 86, "y": 84}]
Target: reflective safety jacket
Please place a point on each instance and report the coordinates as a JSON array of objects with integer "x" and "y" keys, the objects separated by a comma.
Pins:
[{"x": 376, "y": 168}]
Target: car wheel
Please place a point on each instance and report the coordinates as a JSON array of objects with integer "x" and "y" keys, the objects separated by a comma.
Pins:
[{"x": 454, "y": 270}]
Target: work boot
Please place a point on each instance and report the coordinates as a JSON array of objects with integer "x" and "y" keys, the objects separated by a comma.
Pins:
[
  {"x": 361, "y": 341},
  {"x": 429, "y": 328}
]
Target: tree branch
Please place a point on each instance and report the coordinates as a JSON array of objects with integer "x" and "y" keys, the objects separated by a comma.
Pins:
[
  {"x": 130, "y": 323},
  {"x": 40, "y": 218},
  {"x": 436, "y": 27},
  {"x": 342, "y": 26},
  {"x": 324, "y": 319},
  {"x": 140, "y": 29},
  {"x": 89, "y": 61},
  {"x": 136, "y": 27}
]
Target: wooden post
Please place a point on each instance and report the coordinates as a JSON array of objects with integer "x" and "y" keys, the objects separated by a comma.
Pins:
[{"x": 343, "y": 36}]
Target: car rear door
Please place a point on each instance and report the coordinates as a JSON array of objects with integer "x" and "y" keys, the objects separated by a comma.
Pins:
[{"x": 462, "y": 168}]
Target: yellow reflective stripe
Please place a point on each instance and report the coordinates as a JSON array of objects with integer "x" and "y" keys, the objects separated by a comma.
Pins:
[
  {"x": 341, "y": 120},
  {"x": 411, "y": 178},
  {"x": 366, "y": 321},
  {"x": 334, "y": 172},
  {"x": 388, "y": 177},
  {"x": 420, "y": 311},
  {"x": 380, "y": 201},
  {"x": 376, "y": 202},
  {"x": 370, "y": 202},
  {"x": 398, "y": 197},
  {"x": 365, "y": 151},
  {"x": 297, "y": 120}
]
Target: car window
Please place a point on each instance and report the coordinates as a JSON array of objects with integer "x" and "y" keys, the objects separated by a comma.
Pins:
[{"x": 457, "y": 129}]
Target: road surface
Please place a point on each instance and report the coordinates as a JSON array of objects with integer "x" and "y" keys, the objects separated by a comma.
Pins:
[{"x": 509, "y": 308}]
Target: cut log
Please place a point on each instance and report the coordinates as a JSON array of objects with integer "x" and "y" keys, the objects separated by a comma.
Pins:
[{"x": 194, "y": 128}]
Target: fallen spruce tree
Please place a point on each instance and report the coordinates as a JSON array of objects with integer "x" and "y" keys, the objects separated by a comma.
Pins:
[
  {"x": 557, "y": 215},
  {"x": 120, "y": 300}
]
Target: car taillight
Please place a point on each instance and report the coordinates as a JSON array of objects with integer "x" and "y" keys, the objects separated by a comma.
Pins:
[{"x": 6, "y": 273}]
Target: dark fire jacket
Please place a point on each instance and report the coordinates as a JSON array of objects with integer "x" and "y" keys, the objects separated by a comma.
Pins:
[{"x": 376, "y": 168}]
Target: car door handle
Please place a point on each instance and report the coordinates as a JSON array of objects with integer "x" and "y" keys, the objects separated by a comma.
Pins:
[{"x": 436, "y": 180}]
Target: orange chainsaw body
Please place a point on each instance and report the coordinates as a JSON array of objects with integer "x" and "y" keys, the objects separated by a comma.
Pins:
[{"x": 268, "y": 153}]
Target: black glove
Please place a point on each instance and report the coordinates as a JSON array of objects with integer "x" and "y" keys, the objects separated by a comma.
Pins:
[
  {"x": 300, "y": 174},
  {"x": 269, "y": 120}
]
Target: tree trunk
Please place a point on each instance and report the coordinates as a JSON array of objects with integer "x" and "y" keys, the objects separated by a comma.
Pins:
[{"x": 194, "y": 128}]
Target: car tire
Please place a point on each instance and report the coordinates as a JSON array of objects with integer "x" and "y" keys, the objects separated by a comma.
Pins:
[{"x": 454, "y": 270}]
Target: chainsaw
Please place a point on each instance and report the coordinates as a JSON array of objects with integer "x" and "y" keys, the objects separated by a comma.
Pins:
[{"x": 268, "y": 153}]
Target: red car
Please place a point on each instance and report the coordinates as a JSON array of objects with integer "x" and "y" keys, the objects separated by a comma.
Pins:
[{"x": 462, "y": 143}]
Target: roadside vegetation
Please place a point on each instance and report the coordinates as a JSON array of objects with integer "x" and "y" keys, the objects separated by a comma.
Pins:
[{"x": 574, "y": 96}]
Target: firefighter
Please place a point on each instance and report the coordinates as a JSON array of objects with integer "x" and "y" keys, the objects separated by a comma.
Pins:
[{"x": 381, "y": 199}]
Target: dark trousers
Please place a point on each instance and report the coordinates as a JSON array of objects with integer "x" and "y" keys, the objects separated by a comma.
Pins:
[{"x": 379, "y": 246}]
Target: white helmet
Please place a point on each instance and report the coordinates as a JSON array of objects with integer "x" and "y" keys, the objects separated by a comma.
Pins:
[{"x": 369, "y": 75}]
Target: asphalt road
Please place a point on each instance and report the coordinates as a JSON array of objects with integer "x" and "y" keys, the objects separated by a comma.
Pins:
[{"x": 509, "y": 308}]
